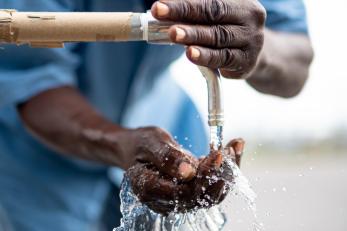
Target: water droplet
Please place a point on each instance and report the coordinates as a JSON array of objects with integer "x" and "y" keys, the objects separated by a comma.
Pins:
[
  {"x": 284, "y": 189},
  {"x": 186, "y": 138}
]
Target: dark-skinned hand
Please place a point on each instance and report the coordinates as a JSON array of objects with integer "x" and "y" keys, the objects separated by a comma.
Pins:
[
  {"x": 220, "y": 34},
  {"x": 157, "y": 147},
  {"x": 164, "y": 194}
]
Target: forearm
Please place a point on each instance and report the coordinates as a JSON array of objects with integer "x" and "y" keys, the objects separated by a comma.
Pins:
[
  {"x": 64, "y": 120},
  {"x": 283, "y": 64}
]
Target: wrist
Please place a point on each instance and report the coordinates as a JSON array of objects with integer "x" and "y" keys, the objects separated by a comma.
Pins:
[{"x": 104, "y": 142}]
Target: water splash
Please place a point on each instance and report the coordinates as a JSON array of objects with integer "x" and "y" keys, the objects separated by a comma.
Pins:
[
  {"x": 138, "y": 217},
  {"x": 241, "y": 187}
]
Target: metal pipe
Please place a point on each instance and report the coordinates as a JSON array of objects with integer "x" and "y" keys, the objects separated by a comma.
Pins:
[
  {"x": 215, "y": 100},
  {"x": 53, "y": 29}
]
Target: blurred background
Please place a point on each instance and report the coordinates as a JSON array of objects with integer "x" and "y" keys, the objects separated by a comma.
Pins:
[{"x": 296, "y": 157}]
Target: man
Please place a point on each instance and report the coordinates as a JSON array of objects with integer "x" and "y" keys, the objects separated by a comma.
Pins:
[{"x": 68, "y": 114}]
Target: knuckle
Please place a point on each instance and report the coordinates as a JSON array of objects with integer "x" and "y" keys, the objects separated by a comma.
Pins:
[
  {"x": 215, "y": 10},
  {"x": 223, "y": 35},
  {"x": 259, "y": 39},
  {"x": 154, "y": 136},
  {"x": 229, "y": 58},
  {"x": 258, "y": 14},
  {"x": 198, "y": 35},
  {"x": 261, "y": 15},
  {"x": 184, "y": 8},
  {"x": 151, "y": 130},
  {"x": 156, "y": 131},
  {"x": 215, "y": 59}
]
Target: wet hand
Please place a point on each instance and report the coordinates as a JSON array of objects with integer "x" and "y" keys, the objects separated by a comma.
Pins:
[
  {"x": 223, "y": 34},
  {"x": 164, "y": 194},
  {"x": 154, "y": 146}
]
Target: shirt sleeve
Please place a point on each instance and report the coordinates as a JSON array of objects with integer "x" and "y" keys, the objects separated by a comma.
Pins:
[
  {"x": 25, "y": 71},
  {"x": 286, "y": 15}
]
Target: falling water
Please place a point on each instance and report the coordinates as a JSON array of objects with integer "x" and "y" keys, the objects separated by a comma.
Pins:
[
  {"x": 240, "y": 185},
  {"x": 216, "y": 137},
  {"x": 138, "y": 217}
]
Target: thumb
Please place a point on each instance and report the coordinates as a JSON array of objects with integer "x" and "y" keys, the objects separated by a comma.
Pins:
[
  {"x": 161, "y": 150},
  {"x": 211, "y": 163},
  {"x": 235, "y": 150},
  {"x": 175, "y": 162}
]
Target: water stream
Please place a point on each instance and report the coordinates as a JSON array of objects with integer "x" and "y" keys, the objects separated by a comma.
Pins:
[{"x": 138, "y": 217}]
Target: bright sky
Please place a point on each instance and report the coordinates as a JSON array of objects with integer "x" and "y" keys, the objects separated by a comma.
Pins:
[{"x": 320, "y": 109}]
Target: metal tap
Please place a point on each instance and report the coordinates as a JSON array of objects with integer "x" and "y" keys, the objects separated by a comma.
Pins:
[{"x": 215, "y": 100}]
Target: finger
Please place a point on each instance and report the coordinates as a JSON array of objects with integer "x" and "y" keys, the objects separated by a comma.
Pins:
[
  {"x": 211, "y": 163},
  {"x": 211, "y": 182},
  {"x": 150, "y": 188},
  {"x": 216, "y": 36},
  {"x": 197, "y": 11},
  {"x": 231, "y": 59},
  {"x": 235, "y": 149},
  {"x": 209, "y": 186},
  {"x": 177, "y": 163},
  {"x": 209, "y": 168},
  {"x": 161, "y": 194},
  {"x": 210, "y": 194},
  {"x": 170, "y": 159}
]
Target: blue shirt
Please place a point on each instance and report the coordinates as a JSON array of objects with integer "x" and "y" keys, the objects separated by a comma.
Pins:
[{"x": 128, "y": 82}]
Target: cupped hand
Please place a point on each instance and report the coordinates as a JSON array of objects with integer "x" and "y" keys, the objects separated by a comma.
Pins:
[
  {"x": 164, "y": 194},
  {"x": 155, "y": 146},
  {"x": 220, "y": 34}
]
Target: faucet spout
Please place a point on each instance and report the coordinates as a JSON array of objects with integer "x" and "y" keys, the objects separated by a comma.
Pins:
[{"x": 215, "y": 100}]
